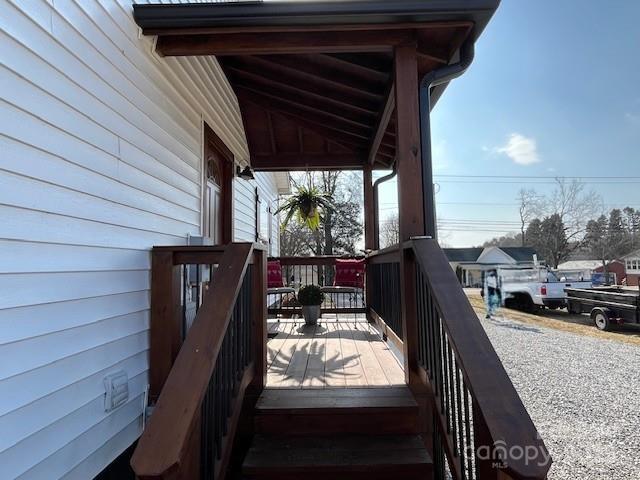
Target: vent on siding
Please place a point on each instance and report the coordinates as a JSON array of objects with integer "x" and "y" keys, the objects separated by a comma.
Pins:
[{"x": 117, "y": 390}]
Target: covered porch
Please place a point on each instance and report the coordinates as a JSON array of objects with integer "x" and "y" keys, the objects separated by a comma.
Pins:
[{"x": 321, "y": 86}]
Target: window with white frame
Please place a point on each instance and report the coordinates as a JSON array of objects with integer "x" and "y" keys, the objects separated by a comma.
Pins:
[{"x": 633, "y": 265}]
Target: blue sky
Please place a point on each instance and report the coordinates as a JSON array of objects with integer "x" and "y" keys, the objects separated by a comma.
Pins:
[{"x": 554, "y": 91}]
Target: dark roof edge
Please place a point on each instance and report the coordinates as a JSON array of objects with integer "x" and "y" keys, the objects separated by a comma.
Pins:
[{"x": 283, "y": 13}]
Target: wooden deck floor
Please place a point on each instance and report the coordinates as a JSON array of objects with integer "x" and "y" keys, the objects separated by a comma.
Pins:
[{"x": 333, "y": 354}]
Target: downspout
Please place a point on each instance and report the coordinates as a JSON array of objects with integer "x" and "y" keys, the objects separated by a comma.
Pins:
[
  {"x": 434, "y": 78},
  {"x": 376, "y": 224}
]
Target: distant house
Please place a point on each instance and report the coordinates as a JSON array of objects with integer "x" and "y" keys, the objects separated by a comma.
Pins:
[
  {"x": 632, "y": 268},
  {"x": 470, "y": 263},
  {"x": 595, "y": 270}
]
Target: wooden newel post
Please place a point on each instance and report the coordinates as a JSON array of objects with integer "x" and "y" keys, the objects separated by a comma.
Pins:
[
  {"x": 165, "y": 337},
  {"x": 259, "y": 309},
  {"x": 487, "y": 466}
]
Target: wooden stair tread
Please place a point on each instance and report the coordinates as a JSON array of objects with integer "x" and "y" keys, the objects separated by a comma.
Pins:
[
  {"x": 305, "y": 401},
  {"x": 356, "y": 453}
]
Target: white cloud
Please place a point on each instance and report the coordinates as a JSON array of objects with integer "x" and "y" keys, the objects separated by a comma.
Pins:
[
  {"x": 522, "y": 150},
  {"x": 633, "y": 118}
]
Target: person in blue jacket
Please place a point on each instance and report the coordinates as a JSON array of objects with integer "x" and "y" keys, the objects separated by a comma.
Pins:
[{"x": 492, "y": 294}]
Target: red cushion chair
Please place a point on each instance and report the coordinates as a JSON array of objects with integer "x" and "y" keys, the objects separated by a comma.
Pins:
[
  {"x": 274, "y": 274},
  {"x": 349, "y": 273}
]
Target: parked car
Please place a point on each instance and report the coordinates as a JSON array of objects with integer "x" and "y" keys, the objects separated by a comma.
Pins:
[{"x": 530, "y": 289}]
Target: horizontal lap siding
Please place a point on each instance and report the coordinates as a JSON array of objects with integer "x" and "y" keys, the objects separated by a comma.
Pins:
[
  {"x": 100, "y": 159},
  {"x": 245, "y": 212}
]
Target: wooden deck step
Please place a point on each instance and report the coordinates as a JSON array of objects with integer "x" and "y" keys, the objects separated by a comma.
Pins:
[
  {"x": 341, "y": 458},
  {"x": 341, "y": 411}
]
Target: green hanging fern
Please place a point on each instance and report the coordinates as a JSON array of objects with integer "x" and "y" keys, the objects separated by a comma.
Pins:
[{"x": 307, "y": 204}]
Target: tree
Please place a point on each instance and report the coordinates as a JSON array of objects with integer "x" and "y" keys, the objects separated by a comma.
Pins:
[
  {"x": 553, "y": 242},
  {"x": 617, "y": 235},
  {"x": 509, "y": 240},
  {"x": 534, "y": 234},
  {"x": 530, "y": 206},
  {"x": 632, "y": 225},
  {"x": 608, "y": 239},
  {"x": 574, "y": 208},
  {"x": 340, "y": 227},
  {"x": 390, "y": 231}
]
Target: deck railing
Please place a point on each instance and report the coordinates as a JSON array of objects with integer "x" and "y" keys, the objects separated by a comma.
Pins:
[
  {"x": 481, "y": 427},
  {"x": 383, "y": 288},
  {"x": 317, "y": 270},
  {"x": 191, "y": 430}
]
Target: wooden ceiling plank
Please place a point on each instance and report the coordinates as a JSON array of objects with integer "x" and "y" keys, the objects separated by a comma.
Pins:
[
  {"x": 357, "y": 69},
  {"x": 329, "y": 68},
  {"x": 383, "y": 121},
  {"x": 291, "y": 63},
  {"x": 283, "y": 90},
  {"x": 312, "y": 114},
  {"x": 331, "y": 90},
  {"x": 327, "y": 131}
]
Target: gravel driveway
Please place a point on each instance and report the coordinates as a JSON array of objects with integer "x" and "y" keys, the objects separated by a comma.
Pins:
[{"x": 582, "y": 393}]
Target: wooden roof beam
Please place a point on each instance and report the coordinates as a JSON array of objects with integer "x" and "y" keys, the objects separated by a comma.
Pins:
[
  {"x": 287, "y": 91},
  {"x": 221, "y": 44},
  {"x": 293, "y": 108},
  {"x": 382, "y": 123},
  {"x": 334, "y": 69},
  {"x": 303, "y": 118},
  {"x": 330, "y": 89},
  {"x": 307, "y": 161}
]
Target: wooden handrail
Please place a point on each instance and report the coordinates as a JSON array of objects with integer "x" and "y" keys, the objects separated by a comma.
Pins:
[
  {"x": 315, "y": 260},
  {"x": 502, "y": 416},
  {"x": 386, "y": 255},
  {"x": 163, "y": 446}
]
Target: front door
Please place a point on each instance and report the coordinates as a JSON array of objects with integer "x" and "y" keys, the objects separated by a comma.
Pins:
[
  {"x": 218, "y": 204},
  {"x": 213, "y": 212}
]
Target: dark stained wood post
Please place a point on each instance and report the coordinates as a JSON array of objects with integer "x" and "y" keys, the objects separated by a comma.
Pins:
[
  {"x": 369, "y": 214},
  {"x": 486, "y": 465},
  {"x": 259, "y": 308},
  {"x": 165, "y": 337},
  {"x": 410, "y": 204},
  {"x": 369, "y": 228}
]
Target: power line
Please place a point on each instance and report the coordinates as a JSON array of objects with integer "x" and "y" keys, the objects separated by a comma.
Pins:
[
  {"x": 539, "y": 182},
  {"x": 553, "y": 177}
]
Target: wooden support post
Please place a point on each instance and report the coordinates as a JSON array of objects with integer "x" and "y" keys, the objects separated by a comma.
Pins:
[
  {"x": 166, "y": 320},
  {"x": 369, "y": 214},
  {"x": 369, "y": 229},
  {"x": 259, "y": 308},
  {"x": 410, "y": 202}
]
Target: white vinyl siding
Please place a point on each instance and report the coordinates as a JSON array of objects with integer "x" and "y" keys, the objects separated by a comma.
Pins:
[
  {"x": 245, "y": 211},
  {"x": 100, "y": 159},
  {"x": 633, "y": 265}
]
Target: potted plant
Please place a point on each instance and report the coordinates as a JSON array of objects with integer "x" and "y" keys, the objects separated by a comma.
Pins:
[
  {"x": 310, "y": 297},
  {"x": 307, "y": 204}
]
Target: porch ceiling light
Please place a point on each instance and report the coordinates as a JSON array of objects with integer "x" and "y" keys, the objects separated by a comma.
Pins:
[{"x": 245, "y": 174}]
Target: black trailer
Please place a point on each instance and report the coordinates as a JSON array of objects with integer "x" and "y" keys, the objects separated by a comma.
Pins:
[{"x": 607, "y": 305}]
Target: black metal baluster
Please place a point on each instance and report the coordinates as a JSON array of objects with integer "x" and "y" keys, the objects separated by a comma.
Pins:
[
  {"x": 452, "y": 367},
  {"x": 467, "y": 423}
]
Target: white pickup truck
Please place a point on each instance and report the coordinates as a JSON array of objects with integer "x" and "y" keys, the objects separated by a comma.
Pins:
[{"x": 530, "y": 289}]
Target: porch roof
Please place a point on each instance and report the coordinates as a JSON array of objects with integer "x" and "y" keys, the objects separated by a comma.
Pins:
[{"x": 314, "y": 80}]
